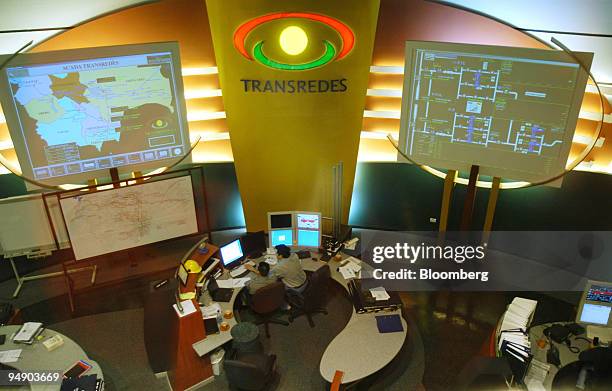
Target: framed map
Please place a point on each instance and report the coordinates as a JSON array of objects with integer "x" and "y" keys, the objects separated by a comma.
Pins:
[{"x": 103, "y": 222}]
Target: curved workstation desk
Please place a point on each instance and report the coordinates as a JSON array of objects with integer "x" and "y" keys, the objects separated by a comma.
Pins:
[
  {"x": 35, "y": 357},
  {"x": 359, "y": 350}
]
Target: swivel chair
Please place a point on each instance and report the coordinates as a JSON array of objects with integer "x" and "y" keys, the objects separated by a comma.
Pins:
[
  {"x": 265, "y": 302},
  {"x": 312, "y": 300},
  {"x": 250, "y": 371}
]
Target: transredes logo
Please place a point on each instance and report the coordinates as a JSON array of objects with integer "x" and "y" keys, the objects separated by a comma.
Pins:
[{"x": 293, "y": 41}]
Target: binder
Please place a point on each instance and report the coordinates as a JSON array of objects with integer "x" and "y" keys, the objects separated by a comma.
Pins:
[{"x": 389, "y": 324}]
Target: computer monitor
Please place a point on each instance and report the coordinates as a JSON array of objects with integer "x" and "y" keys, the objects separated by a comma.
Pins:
[
  {"x": 596, "y": 305},
  {"x": 308, "y": 220},
  {"x": 231, "y": 253},
  {"x": 253, "y": 243},
  {"x": 74, "y": 114},
  {"x": 279, "y": 220},
  {"x": 308, "y": 225},
  {"x": 306, "y": 238},
  {"x": 281, "y": 236}
]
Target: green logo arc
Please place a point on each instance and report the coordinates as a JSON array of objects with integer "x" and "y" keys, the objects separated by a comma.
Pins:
[{"x": 328, "y": 55}]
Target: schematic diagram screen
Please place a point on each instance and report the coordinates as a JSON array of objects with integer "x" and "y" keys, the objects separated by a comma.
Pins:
[{"x": 511, "y": 111}]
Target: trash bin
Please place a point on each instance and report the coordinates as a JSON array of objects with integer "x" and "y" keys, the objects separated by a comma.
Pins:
[
  {"x": 245, "y": 337},
  {"x": 216, "y": 359}
]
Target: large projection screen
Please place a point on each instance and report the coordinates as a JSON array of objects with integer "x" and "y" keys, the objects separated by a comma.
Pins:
[
  {"x": 74, "y": 114},
  {"x": 511, "y": 111},
  {"x": 102, "y": 222}
]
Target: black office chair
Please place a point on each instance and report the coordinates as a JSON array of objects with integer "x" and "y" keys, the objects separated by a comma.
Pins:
[
  {"x": 250, "y": 371},
  {"x": 312, "y": 300},
  {"x": 266, "y": 302}
]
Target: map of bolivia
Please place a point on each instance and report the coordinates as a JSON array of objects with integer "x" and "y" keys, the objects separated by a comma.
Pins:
[{"x": 102, "y": 112}]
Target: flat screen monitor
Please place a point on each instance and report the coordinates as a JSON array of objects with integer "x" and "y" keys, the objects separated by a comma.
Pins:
[
  {"x": 281, "y": 236},
  {"x": 308, "y": 220},
  {"x": 253, "y": 243},
  {"x": 75, "y": 114},
  {"x": 280, "y": 220},
  {"x": 511, "y": 111},
  {"x": 231, "y": 252},
  {"x": 596, "y": 304},
  {"x": 308, "y": 238}
]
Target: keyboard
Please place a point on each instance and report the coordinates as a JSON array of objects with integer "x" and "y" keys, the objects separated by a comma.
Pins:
[{"x": 238, "y": 271}]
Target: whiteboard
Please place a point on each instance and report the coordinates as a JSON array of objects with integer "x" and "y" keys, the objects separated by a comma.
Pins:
[
  {"x": 25, "y": 227},
  {"x": 112, "y": 220}
]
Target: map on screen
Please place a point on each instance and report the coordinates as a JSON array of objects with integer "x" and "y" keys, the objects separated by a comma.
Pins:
[
  {"x": 94, "y": 114},
  {"x": 509, "y": 112}
]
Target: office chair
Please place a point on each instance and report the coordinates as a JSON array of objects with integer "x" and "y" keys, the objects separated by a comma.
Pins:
[
  {"x": 250, "y": 371},
  {"x": 312, "y": 300},
  {"x": 265, "y": 302}
]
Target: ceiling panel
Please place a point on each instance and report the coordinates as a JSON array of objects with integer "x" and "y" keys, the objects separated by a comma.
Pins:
[
  {"x": 582, "y": 16},
  {"x": 48, "y": 15}
]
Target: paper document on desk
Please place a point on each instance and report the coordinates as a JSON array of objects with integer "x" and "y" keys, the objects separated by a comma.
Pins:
[
  {"x": 271, "y": 260},
  {"x": 240, "y": 282},
  {"x": 210, "y": 311},
  {"x": 9, "y": 356},
  {"x": 228, "y": 283},
  {"x": 534, "y": 380},
  {"x": 351, "y": 244},
  {"x": 188, "y": 308},
  {"x": 379, "y": 293},
  {"x": 347, "y": 272},
  {"x": 354, "y": 264}
]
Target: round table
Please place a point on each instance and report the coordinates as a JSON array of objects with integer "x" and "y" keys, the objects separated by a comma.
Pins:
[{"x": 35, "y": 357}]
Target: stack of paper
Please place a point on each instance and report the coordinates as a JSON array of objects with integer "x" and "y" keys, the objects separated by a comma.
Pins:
[
  {"x": 534, "y": 380},
  {"x": 518, "y": 315},
  {"x": 379, "y": 293},
  {"x": 9, "y": 356},
  {"x": 514, "y": 339}
]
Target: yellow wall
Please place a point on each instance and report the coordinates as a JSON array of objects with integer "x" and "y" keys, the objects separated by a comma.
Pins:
[{"x": 285, "y": 144}]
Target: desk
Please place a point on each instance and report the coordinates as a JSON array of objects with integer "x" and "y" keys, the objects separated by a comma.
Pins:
[
  {"x": 566, "y": 356},
  {"x": 359, "y": 350},
  {"x": 36, "y": 357}
]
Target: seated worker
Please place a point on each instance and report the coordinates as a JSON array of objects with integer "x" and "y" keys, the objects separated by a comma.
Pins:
[
  {"x": 289, "y": 270},
  {"x": 262, "y": 278}
]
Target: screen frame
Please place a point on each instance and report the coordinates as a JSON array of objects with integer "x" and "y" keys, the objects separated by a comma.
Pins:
[
  {"x": 583, "y": 301},
  {"x": 539, "y": 54},
  {"x": 235, "y": 261},
  {"x": 32, "y": 59}
]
